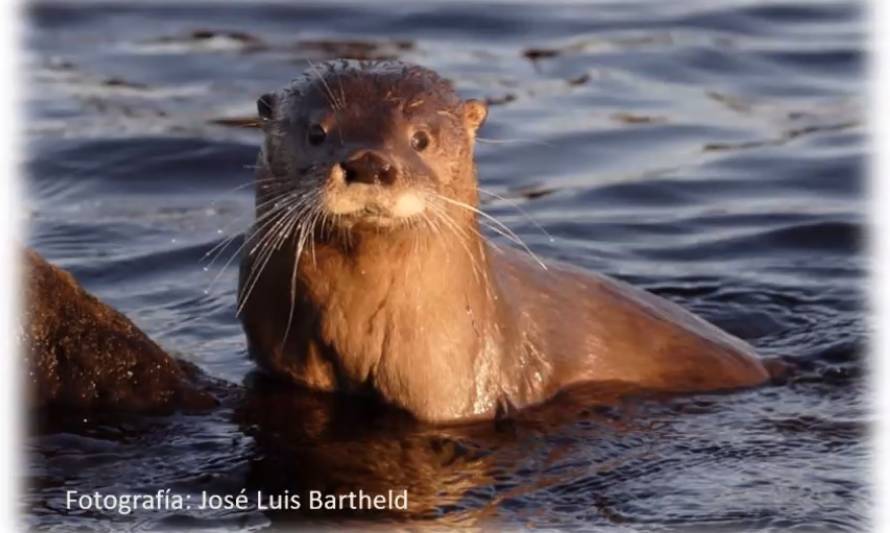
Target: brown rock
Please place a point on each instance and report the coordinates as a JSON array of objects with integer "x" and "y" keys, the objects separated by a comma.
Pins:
[{"x": 82, "y": 354}]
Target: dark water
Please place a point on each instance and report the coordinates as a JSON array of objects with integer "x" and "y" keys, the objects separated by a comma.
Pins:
[{"x": 711, "y": 151}]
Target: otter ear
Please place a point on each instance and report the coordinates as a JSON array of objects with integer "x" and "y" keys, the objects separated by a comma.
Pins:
[
  {"x": 265, "y": 105},
  {"x": 474, "y": 113}
]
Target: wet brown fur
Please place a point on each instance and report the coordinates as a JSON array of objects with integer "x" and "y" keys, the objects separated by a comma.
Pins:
[{"x": 426, "y": 314}]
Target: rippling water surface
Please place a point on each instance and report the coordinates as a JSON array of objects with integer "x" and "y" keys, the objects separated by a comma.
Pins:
[{"x": 710, "y": 151}]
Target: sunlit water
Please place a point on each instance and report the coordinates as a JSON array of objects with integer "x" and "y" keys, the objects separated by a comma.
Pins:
[{"x": 710, "y": 151}]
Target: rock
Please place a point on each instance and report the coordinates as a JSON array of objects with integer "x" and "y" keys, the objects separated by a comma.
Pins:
[{"x": 81, "y": 354}]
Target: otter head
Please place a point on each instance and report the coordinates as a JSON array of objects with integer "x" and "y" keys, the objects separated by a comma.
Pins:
[{"x": 368, "y": 146}]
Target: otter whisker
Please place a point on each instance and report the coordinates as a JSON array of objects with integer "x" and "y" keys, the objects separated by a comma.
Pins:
[
  {"x": 433, "y": 226},
  {"x": 461, "y": 238},
  {"x": 241, "y": 186},
  {"x": 506, "y": 231},
  {"x": 325, "y": 225},
  {"x": 306, "y": 233},
  {"x": 444, "y": 223},
  {"x": 314, "y": 215},
  {"x": 412, "y": 223},
  {"x": 280, "y": 234},
  {"x": 273, "y": 216},
  {"x": 329, "y": 94},
  {"x": 274, "y": 233},
  {"x": 217, "y": 250},
  {"x": 226, "y": 242},
  {"x": 293, "y": 294},
  {"x": 501, "y": 229},
  {"x": 284, "y": 199},
  {"x": 302, "y": 231},
  {"x": 269, "y": 247},
  {"x": 277, "y": 197},
  {"x": 342, "y": 92},
  {"x": 476, "y": 232},
  {"x": 234, "y": 189},
  {"x": 511, "y": 141},
  {"x": 236, "y": 219},
  {"x": 303, "y": 199},
  {"x": 474, "y": 261},
  {"x": 521, "y": 211}
]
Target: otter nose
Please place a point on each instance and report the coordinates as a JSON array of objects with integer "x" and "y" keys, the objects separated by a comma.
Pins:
[{"x": 369, "y": 167}]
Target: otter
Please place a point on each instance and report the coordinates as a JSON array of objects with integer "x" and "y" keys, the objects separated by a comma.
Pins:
[{"x": 366, "y": 271}]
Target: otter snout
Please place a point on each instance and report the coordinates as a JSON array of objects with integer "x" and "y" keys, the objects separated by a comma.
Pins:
[
  {"x": 368, "y": 186},
  {"x": 369, "y": 167}
]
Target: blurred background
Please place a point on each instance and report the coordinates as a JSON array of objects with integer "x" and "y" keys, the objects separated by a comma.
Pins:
[{"x": 710, "y": 151}]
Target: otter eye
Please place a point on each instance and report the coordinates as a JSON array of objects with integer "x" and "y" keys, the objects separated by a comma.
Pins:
[
  {"x": 316, "y": 134},
  {"x": 420, "y": 140}
]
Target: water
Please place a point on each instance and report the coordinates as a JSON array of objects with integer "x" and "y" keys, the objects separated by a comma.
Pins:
[{"x": 710, "y": 151}]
